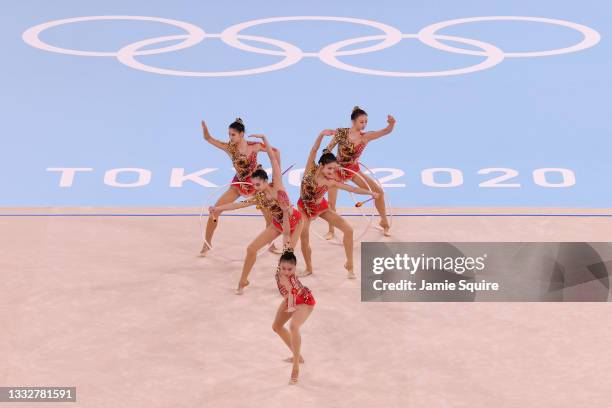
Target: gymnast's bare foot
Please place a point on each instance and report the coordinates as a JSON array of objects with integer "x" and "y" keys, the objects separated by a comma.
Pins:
[
  {"x": 349, "y": 271},
  {"x": 385, "y": 229},
  {"x": 205, "y": 249},
  {"x": 272, "y": 248},
  {"x": 294, "y": 374},
  {"x": 305, "y": 272},
  {"x": 241, "y": 285},
  {"x": 290, "y": 360}
]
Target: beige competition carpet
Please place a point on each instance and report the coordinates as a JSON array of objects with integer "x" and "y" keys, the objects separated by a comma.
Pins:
[{"x": 122, "y": 308}]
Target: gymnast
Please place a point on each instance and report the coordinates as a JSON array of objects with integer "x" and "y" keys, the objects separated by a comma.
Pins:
[
  {"x": 298, "y": 301},
  {"x": 268, "y": 197},
  {"x": 351, "y": 142},
  {"x": 317, "y": 180},
  {"x": 243, "y": 155}
]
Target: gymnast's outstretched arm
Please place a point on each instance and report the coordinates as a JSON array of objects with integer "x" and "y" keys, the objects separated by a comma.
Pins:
[
  {"x": 315, "y": 148},
  {"x": 356, "y": 190},
  {"x": 208, "y": 137},
  {"x": 369, "y": 136}
]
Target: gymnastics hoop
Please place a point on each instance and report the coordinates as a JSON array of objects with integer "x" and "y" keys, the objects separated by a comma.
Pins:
[
  {"x": 357, "y": 239},
  {"x": 389, "y": 214},
  {"x": 202, "y": 229}
]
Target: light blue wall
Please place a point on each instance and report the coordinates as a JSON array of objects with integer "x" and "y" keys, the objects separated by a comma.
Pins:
[{"x": 71, "y": 111}]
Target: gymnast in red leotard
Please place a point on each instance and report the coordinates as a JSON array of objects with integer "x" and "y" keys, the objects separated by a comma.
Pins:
[
  {"x": 243, "y": 154},
  {"x": 298, "y": 301},
  {"x": 268, "y": 197},
  {"x": 317, "y": 180},
  {"x": 351, "y": 143}
]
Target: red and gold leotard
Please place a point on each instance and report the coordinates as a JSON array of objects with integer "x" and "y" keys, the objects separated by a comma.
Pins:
[
  {"x": 244, "y": 165},
  {"x": 311, "y": 199},
  {"x": 348, "y": 154},
  {"x": 291, "y": 288},
  {"x": 261, "y": 200}
]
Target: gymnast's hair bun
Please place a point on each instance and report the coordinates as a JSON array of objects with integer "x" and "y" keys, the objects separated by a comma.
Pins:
[
  {"x": 288, "y": 256},
  {"x": 238, "y": 125},
  {"x": 357, "y": 112}
]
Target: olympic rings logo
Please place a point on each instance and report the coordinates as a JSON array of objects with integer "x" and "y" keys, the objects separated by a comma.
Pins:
[{"x": 329, "y": 54}]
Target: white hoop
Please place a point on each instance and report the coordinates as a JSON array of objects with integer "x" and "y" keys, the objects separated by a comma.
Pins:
[
  {"x": 389, "y": 214},
  {"x": 357, "y": 239},
  {"x": 202, "y": 229}
]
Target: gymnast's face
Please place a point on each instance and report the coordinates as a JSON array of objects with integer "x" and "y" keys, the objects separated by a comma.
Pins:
[
  {"x": 329, "y": 170},
  {"x": 287, "y": 268},
  {"x": 361, "y": 122},
  {"x": 235, "y": 136},
  {"x": 258, "y": 183}
]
